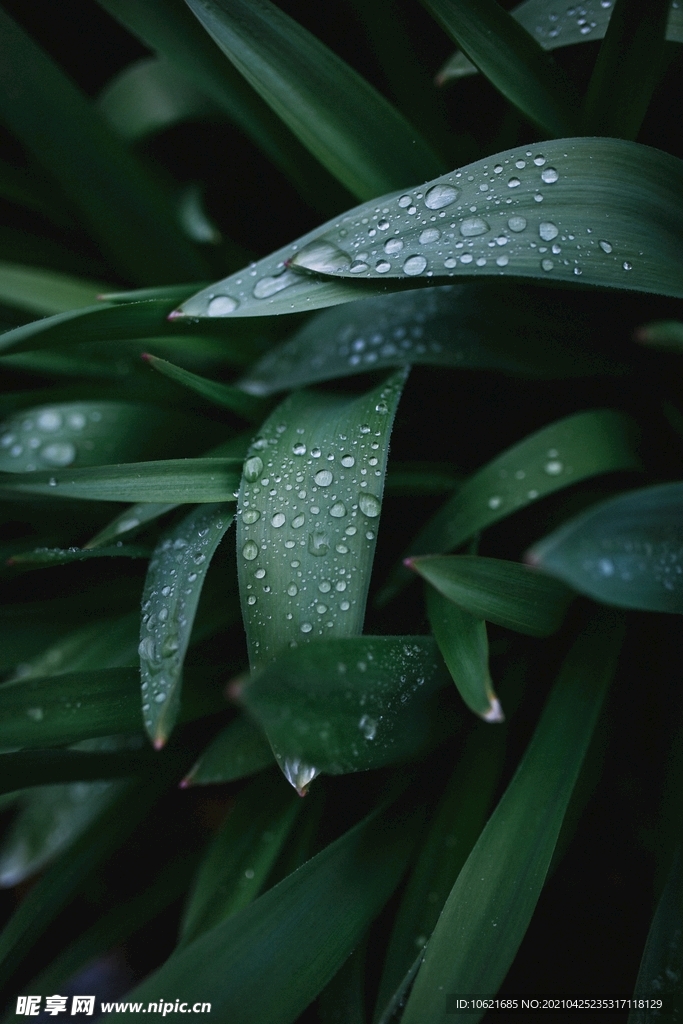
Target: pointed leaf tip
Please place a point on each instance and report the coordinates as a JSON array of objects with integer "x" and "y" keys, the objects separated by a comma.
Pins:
[
  {"x": 175, "y": 314},
  {"x": 495, "y": 712},
  {"x": 159, "y": 742}
]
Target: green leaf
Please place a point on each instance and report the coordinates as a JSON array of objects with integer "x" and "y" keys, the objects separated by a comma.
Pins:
[
  {"x": 236, "y": 866},
  {"x": 664, "y": 334},
  {"x": 304, "y": 929},
  {"x": 50, "y": 821},
  {"x": 227, "y": 396},
  {"x": 421, "y": 478},
  {"x": 572, "y": 449},
  {"x": 121, "y": 205},
  {"x": 507, "y": 593},
  {"x": 607, "y": 214},
  {"x": 555, "y": 26},
  {"x": 346, "y": 705},
  {"x": 662, "y": 963},
  {"x": 237, "y": 751},
  {"x": 352, "y": 130},
  {"x": 89, "y": 434},
  {"x": 136, "y": 516},
  {"x": 494, "y": 897},
  {"x": 173, "y": 586},
  {"x": 104, "y": 643},
  {"x": 512, "y": 60},
  {"x": 150, "y": 96},
  {"x": 175, "y": 480},
  {"x": 168, "y": 28},
  {"x": 464, "y": 646},
  {"x": 40, "y": 558},
  {"x": 342, "y": 1001},
  {"x": 625, "y": 551},
  {"x": 305, "y": 552},
  {"x": 628, "y": 69},
  {"x": 27, "y": 768},
  {"x": 43, "y": 291},
  {"x": 456, "y": 825},
  {"x": 483, "y": 326}
]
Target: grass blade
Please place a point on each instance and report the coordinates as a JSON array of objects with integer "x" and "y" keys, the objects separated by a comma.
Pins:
[
  {"x": 305, "y": 552},
  {"x": 660, "y": 969},
  {"x": 573, "y": 449},
  {"x": 237, "y": 751},
  {"x": 347, "y": 705},
  {"x": 173, "y": 586},
  {"x": 150, "y": 96},
  {"x": 507, "y": 593},
  {"x": 182, "y": 481},
  {"x": 457, "y": 823},
  {"x": 512, "y": 60},
  {"x": 122, "y": 207},
  {"x": 482, "y": 326},
  {"x": 236, "y": 866},
  {"x": 227, "y": 396},
  {"x": 44, "y": 292},
  {"x": 322, "y": 908},
  {"x": 40, "y": 558},
  {"x": 555, "y": 27},
  {"x": 491, "y": 903},
  {"x": 353, "y": 131},
  {"x": 464, "y": 646},
  {"x": 625, "y": 551},
  {"x": 628, "y": 69},
  {"x": 602, "y": 210}
]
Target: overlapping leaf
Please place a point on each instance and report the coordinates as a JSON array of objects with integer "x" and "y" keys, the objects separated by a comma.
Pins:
[
  {"x": 591, "y": 211},
  {"x": 225, "y": 395},
  {"x": 662, "y": 963},
  {"x": 308, "y": 512},
  {"x": 44, "y": 292},
  {"x": 237, "y": 751}
]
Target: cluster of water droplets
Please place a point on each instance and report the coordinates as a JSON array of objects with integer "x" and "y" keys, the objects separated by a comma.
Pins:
[
  {"x": 558, "y": 25},
  {"x": 522, "y": 480},
  {"x": 308, "y": 515},
  {"x": 47, "y": 437},
  {"x": 628, "y": 559},
  {"x": 172, "y": 589},
  {"x": 486, "y": 217}
]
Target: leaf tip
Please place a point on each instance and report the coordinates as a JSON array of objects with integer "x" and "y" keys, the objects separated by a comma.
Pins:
[
  {"x": 186, "y": 782},
  {"x": 495, "y": 711},
  {"x": 159, "y": 742},
  {"x": 146, "y": 356},
  {"x": 409, "y": 563},
  {"x": 175, "y": 314}
]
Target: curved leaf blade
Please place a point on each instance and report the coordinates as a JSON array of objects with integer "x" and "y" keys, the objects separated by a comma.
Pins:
[
  {"x": 237, "y": 751},
  {"x": 625, "y": 551},
  {"x": 305, "y": 552},
  {"x": 464, "y": 646},
  {"x": 563, "y": 453},
  {"x": 45, "y": 292},
  {"x": 39, "y": 558},
  {"x": 461, "y": 326},
  {"x": 173, "y": 586},
  {"x": 190, "y": 481},
  {"x": 587, "y": 211},
  {"x": 323, "y": 908},
  {"x": 352, "y": 130},
  {"x": 346, "y": 705},
  {"x": 512, "y": 60},
  {"x": 507, "y": 593},
  {"x": 491, "y": 903},
  {"x": 661, "y": 965},
  {"x": 236, "y": 866},
  {"x": 227, "y": 396}
]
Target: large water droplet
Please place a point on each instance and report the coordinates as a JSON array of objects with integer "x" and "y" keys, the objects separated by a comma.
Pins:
[
  {"x": 547, "y": 264},
  {"x": 414, "y": 265},
  {"x": 439, "y": 196},
  {"x": 49, "y": 420},
  {"x": 278, "y": 520},
  {"x": 298, "y": 521},
  {"x": 358, "y": 267},
  {"x": 318, "y": 544},
  {"x": 323, "y": 478},
  {"x": 323, "y": 257},
  {"x": 382, "y": 266},
  {"x": 405, "y": 201},
  {"x": 347, "y": 461},
  {"x": 429, "y": 235},
  {"x": 369, "y": 505},
  {"x": 251, "y": 515},
  {"x": 517, "y": 223},
  {"x": 299, "y": 448},
  {"x": 514, "y": 183},
  {"x": 553, "y": 468},
  {"x": 292, "y": 590},
  {"x": 473, "y": 226},
  {"x": 547, "y": 230},
  {"x": 549, "y": 175},
  {"x": 268, "y": 286},
  {"x": 297, "y": 773},
  {"x": 605, "y": 246},
  {"x": 250, "y": 551},
  {"x": 338, "y": 510},
  {"x": 221, "y": 305},
  {"x": 59, "y": 453},
  {"x": 253, "y": 468},
  {"x": 306, "y": 627},
  {"x": 368, "y": 726},
  {"x": 392, "y": 246}
]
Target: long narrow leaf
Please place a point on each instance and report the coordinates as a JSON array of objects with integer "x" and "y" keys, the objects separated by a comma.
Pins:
[
  {"x": 662, "y": 963},
  {"x": 125, "y": 210},
  {"x": 354, "y": 132},
  {"x": 512, "y": 60},
  {"x": 44, "y": 292},
  {"x": 227, "y": 396},
  {"x": 603, "y": 211},
  {"x": 491, "y": 903},
  {"x": 308, "y": 512},
  {"x": 237, "y": 751}
]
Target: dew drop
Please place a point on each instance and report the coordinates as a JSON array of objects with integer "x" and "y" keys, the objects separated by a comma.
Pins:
[
  {"x": 325, "y": 587},
  {"x": 405, "y": 201},
  {"x": 502, "y": 261},
  {"x": 414, "y": 265},
  {"x": 60, "y": 453},
  {"x": 627, "y": 266},
  {"x": 347, "y": 461},
  {"x": 323, "y": 478},
  {"x": 323, "y": 257},
  {"x": 299, "y": 448},
  {"x": 306, "y": 627},
  {"x": 605, "y": 246},
  {"x": 547, "y": 264},
  {"x": 298, "y": 521},
  {"x": 250, "y": 551},
  {"x": 517, "y": 223},
  {"x": 221, "y": 305},
  {"x": 382, "y": 225},
  {"x": 368, "y": 726},
  {"x": 547, "y": 230},
  {"x": 430, "y": 235},
  {"x": 268, "y": 286},
  {"x": 338, "y": 510},
  {"x": 495, "y": 501},
  {"x": 345, "y": 606},
  {"x": 292, "y": 590},
  {"x": 278, "y": 520},
  {"x": 473, "y": 226},
  {"x": 393, "y": 245},
  {"x": 382, "y": 408},
  {"x": 253, "y": 468},
  {"x": 49, "y": 421},
  {"x": 76, "y": 420},
  {"x": 553, "y": 468},
  {"x": 439, "y": 196},
  {"x": 250, "y": 516},
  {"x": 369, "y": 505},
  {"x": 358, "y": 267},
  {"x": 382, "y": 266},
  {"x": 318, "y": 544},
  {"x": 549, "y": 175},
  {"x": 514, "y": 183}
]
